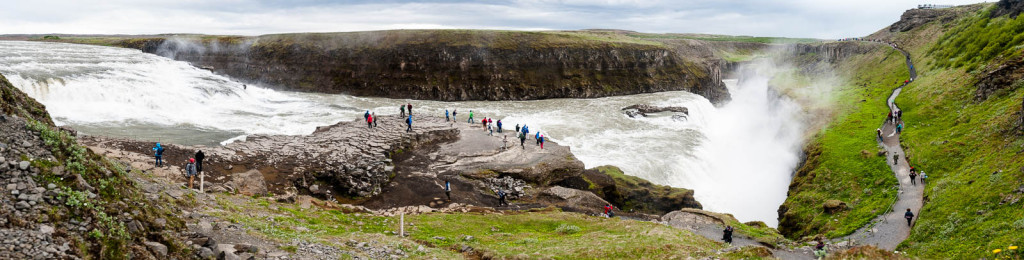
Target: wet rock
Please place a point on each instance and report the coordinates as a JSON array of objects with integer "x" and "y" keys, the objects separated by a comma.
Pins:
[{"x": 641, "y": 110}]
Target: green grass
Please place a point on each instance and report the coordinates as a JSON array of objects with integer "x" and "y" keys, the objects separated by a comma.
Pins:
[
  {"x": 542, "y": 234},
  {"x": 841, "y": 162},
  {"x": 978, "y": 39}
]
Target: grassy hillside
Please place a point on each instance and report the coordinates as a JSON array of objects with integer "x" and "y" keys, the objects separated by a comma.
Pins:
[
  {"x": 970, "y": 147},
  {"x": 842, "y": 162}
]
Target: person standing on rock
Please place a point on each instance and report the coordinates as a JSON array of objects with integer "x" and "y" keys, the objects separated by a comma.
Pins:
[
  {"x": 541, "y": 140},
  {"x": 485, "y": 121},
  {"x": 909, "y": 216},
  {"x": 158, "y": 152},
  {"x": 501, "y": 198},
  {"x": 448, "y": 190},
  {"x": 499, "y": 125},
  {"x": 517, "y": 128},
  {"x": 446, "y": 119},
  {"x": 504, "y": 143},
  {"x": 369, "y": 121},
  {"x": 199, "y": 161},
  {"x": 522, "y": 140},
  {"x": 401, "y": 109},
  {"x": 190, "y": 171},
  {"x": 455, "y": 115},
  {"x": 410, "y": 108},
  {"x": 727, "y": 234},
  {"x": 408, "y": 123},
  {"x": 608, "y": 211},
  {"x": 537, "y": 137},
  {"x": 470, "y": 117},
  {"x": 366, "y": 116}
]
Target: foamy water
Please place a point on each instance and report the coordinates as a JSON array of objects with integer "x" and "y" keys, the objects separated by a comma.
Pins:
[{"x": 738, "y": 158}]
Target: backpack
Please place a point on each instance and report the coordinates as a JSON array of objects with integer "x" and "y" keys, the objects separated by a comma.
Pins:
[{"x": 160, "y": 151}]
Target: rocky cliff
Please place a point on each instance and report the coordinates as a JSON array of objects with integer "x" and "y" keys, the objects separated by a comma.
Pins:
[{"x": 451, "y": 64}]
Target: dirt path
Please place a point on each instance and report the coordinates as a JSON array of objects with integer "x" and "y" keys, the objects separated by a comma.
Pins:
[{"x": 888, "y": 230}]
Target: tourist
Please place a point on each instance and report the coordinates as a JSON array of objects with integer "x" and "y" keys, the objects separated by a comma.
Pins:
[
  {"x": 199, "y": 161},
  {"x": 537, "y": 137},
  {"x": 159, "y": 153},
  {"x": 401, "y": 109},
  {"x": 499, "y": 125},
  {"x": 909, "y": 216},
  {"x": 899, "y": 115},
  {"x": 522, "y": 140},
  {"x": 923, "y": 177},
  {"x": 913, "y": 176},
  {"x": 410, "y": 109},
  {"x": 895, "y": 159},
  {"x": 501, "y": 198},
  {"x": 470, "y": 117},
  {"x": 369, "y": 121},
  {"x": 504, "y": 143},
  {"x": 366, "y": 116},
  {"x": 727, "y": 234},
  {"x": 878, "y": 132},
  {"x": 484, "y": 121},
  {"x": 446, "y": 119},
  {"x": 408, "y": 122},
  {"x": 819, "y": 250},
  {"x": 374, "y": 116},
  {"x": 455, "y": 115},
  {"x": 541, "y": 140},
  {"x": 517, "y": 128},
  {"x": 899, "y": 128},
  {"x": 448, "y": 190},
  {"x": 608, "y": 211},
  {"x": 190, "y": 171}
]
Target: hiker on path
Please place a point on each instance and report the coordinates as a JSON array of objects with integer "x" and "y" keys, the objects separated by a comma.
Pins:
[
  {"x": 727, "y": 234},
  {"x": 878, "y": 132},
  {"x": 541, "y": 140},
  {"x": 526, "y": 130},
  {"x": 909, "y": 216},
  {"x": 401, "y": 109},
  {"x": 895, "y": 158},
  {"x": 455, "y": 115},
  {"x": 522, "y": 140},
  {"x": 517, "y": 128},
  {"x": 913, "y": 175},
  {"x": 190, "y": 171},
  {"x": 923, "y": 177},
  {"x": 448, "y": 190},
  {"x": 899, "y": 115},
  {"x": 446, "y": 119},
  {"x": 374, "y": 115},
  {"x": 200, "y": 156},
  {"x": 408, "y": 122},
  {"x": 501, "y": 198},
  {"x": 369, "y": 121},
  {"x": 470, "y": 117},
  {"x": 819, "y": 250},
  {"x": 899, "y": 128},
  {"x": 159, "y": 154},
  {"x": 499, "y": 125},
  {"x": 485, "y": 121},
  {"x": 608, "y": 211},
  {"x": 537, "y": 137},
  {"x": 410, "y": 109}
]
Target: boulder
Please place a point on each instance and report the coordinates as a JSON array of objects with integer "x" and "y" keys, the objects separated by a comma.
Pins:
[
  {"x": 158, "y": 249},
  {"x": 572, "y": 199},
  {"x": 833, "y": 206},
  {"x": 249, "y": 183},
  {"x": 644, "y": 109},
  {"x": 632, "y": 193}
]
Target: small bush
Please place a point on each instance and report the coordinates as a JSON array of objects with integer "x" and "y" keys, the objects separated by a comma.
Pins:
[{"x": 567, "y": 229}]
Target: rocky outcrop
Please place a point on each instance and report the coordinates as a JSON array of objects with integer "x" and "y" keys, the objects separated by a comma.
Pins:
[
  {"x": 1001, "y": 79},
  {"x": 448, "y": 65},
  {"x": 644, "y": 109},
  {"x": 15, "y": 102},
  {"x": 632, "y": 194},
  {"x": 1012, "y": 8},
  {"x": 804, "y": 54},
  {"x": 572, "y": 200}
]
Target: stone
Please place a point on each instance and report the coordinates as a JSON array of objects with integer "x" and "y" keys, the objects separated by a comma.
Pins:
[
  {"x": 23, "y": 165},
  {"x": 158, "y": 249},
  {"x": 205, "y": 227},
  {"x": 833, "y": 206},
  {"x": 51, "y": 186},
  {"x": 22, "y": 205},
  {"x": 2, "y": 159},
  {"x": 26, "y": 143},
  {"x": 249, "y": 183},
  {"x": 205, "y": 253},
  {"x": 46, "y": 229},
  {"x": 12, "y": 186},
  {"x": 221, "y": 249}
]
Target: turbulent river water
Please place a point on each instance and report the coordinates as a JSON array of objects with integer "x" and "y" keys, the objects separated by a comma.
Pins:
[{"x": 738, "y": 157}]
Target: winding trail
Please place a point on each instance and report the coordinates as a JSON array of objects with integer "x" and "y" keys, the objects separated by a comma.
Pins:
[{"x": 888, "y": 230}]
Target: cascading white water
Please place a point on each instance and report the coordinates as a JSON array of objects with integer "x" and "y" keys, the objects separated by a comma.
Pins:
[{"x": 738, "y": 158}]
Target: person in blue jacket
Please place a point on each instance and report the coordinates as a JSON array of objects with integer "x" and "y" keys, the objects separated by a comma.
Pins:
[
  {"x": 499, "y": 125},
  {"x": 158, "y": 152},
  {"x": 408, "y": 122},
  {"x": 446, "y": 118}
]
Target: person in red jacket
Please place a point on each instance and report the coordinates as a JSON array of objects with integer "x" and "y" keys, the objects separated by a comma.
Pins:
[
  {"x": 369, "y": 121},
  {"x": 608, "y": 211}
]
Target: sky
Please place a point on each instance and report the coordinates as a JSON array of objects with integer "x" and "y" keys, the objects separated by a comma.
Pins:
[{"x": 824, "y": 19}]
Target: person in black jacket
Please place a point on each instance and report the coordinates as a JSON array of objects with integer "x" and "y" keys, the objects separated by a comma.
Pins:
[
  {"x": 199, "y": 161},
  {"x": 727, "y": 234},
  {"x": 910, "y": 216}
]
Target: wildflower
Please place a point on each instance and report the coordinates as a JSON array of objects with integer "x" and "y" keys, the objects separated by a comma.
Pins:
[
  {"x": 1013, "y": 247},
  {"x": 996, "y": 251}
]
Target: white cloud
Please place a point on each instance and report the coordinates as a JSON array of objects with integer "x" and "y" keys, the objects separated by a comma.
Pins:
[{"x": 790, "y": 18}]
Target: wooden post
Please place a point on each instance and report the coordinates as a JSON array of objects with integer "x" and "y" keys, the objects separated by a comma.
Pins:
[
  {"x": 401, "y": 224},
  {"x": 201, "y": 176}
]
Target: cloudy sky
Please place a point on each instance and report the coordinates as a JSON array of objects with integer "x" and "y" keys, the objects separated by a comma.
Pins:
[{"x": 788, "y": 18}]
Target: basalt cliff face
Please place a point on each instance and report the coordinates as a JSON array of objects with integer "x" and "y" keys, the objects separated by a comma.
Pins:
[{"x": 450, "y": 65}]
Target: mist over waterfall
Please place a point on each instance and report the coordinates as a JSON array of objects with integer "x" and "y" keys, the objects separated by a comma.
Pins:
[
  {"x": 753, "y": 144},
  {"x": 738, "y": 157}
]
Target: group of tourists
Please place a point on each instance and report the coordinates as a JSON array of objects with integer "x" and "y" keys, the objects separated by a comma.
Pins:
[{"x": 193, "y": 166}]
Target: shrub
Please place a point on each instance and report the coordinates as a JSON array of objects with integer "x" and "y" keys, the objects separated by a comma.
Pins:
[{"x": 567, "y": 229}]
